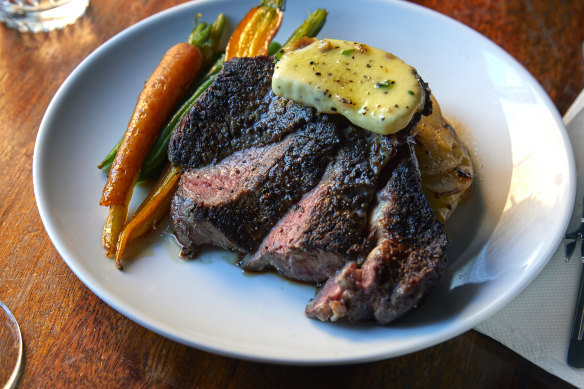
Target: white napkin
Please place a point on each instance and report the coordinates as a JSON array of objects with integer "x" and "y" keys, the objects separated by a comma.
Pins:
[{"x": 537, "y": 324}]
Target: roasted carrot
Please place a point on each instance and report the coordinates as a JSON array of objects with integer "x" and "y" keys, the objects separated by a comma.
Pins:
[
  {"x": 162, "y": 92},
  {"x": 206, "y": 37},
  {"x": 157, "y": 158},
  {"x": 114, "y": 225},
  {"x": 253, "y": 34},
  {"x": 153, "y": 209}
]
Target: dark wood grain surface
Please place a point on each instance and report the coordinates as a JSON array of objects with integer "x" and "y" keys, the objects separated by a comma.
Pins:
[{"x": 73, "y": 339}]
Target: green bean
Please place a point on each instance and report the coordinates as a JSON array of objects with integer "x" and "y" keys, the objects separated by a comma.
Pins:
[
  {"x": 309, "y": 28},
  {"x": 206, "y": 37},
  {"x": 274, "y": 48},
  {"x": 109, "y": 158}
]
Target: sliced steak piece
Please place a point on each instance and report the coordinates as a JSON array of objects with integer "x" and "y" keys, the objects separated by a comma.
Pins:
[
  {"x": 407, "y": 260},
  {"x": 235, "y": 203},
  {"x": 326, "y": 228},
  {"x": 238, "y": 111}
]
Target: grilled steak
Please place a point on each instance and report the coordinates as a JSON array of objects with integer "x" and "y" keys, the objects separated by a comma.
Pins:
[
  {"x": 298, "y": 191},
  {"x": 235, "y": 203},
  {"x": 238, "y": 111},
  {"x": 326, "y": 228},
  {"x": 407, "y": 260}
]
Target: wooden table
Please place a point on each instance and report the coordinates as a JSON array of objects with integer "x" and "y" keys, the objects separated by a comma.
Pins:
[{"x": 73, "y": 339}]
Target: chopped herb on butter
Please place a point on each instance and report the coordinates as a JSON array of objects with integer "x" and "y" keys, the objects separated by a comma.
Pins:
[{"x": 385, "y": 84}]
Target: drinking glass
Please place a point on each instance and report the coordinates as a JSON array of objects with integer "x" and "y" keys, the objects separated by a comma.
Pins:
[
  {"x": 10, "y": 348},
  {"x": 40, "y": 15}
]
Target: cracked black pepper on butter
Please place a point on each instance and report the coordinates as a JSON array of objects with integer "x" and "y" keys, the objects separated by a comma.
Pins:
[{"x": 372, "y": 88}]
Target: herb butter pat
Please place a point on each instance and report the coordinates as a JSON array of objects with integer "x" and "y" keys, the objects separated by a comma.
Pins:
[{"x": 373, "y": 89}]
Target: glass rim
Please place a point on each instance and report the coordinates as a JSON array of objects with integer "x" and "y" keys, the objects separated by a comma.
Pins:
[{"x": 16, "y": 330}]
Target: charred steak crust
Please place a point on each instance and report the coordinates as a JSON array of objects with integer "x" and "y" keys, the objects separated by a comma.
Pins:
[
  {"x": 235, "y": 203},
  {"x": 408, "y": 259},
  {"x": 339, "y": 219},
  {"x": 327, "y": 227},
  {"x": 238, "y": 111},
  {"x": 254, "y": 160}
]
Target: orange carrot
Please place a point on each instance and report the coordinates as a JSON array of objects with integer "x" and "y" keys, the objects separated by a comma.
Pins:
[
  {"x": 162, "y": 92},
  {"x": 152, "y": 210},
  {"x": 114, "y": 225},
  {"x": 254, "y": 33}
]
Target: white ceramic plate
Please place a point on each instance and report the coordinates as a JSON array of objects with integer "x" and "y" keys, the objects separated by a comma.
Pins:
[{"x": 502, "y": 237}]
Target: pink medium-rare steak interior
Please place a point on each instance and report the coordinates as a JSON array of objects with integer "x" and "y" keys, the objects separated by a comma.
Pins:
[
  {"x": 235, "y": 203},
  {"x": 327, "y": 227}
]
